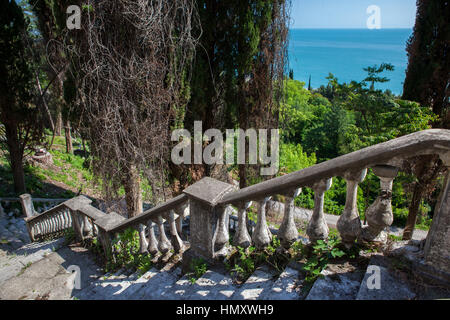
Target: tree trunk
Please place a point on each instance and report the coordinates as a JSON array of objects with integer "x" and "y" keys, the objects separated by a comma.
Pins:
[
  {"x": 426, "y": 170},
  {"x": 15, "y": 157},
  {"x": 413, "y": 211},
  {"x": 59, "y": 121},
  {"x": 69, "y": 146},
  {"x": 132, "y": 186}
]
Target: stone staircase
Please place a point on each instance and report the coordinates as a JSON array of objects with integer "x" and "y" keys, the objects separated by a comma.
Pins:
[{"x": 39, "y": 270}]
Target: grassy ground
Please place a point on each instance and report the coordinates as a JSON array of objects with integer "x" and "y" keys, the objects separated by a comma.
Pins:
[{"x": 68, "y": 175}]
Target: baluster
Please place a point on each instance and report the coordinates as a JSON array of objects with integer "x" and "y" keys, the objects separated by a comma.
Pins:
[
  {"x": 288, "y": 232},
  {"x": 262, "y": 236},
  {"x": 379, "y": 214},
  {"x": 143, "y": 244},
  {"x": 45, "y": 226},
  {"x": 177, "y": 243},
  {"x": 86, "y": 225},
  {"x": 222, "y": 235},
  {"x": 51, "y": 225},
  {"x": 349, "y": 223},
  {"x": 152, "y": 242},
  {"x": 242, "y": 237},
  {"x": 317, "y": 227},
  {"x": 163, "y": 243}
]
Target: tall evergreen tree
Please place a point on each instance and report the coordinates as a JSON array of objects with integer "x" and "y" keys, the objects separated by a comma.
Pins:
[
  {"x": 428, "y": 82},
  {"x": 19, "y": 116}
]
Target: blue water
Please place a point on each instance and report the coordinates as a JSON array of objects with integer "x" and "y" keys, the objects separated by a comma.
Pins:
[{"x": 345, "y": 52}]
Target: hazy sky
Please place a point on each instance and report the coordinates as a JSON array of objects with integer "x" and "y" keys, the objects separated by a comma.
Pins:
[{"x": 351, "y": 13}]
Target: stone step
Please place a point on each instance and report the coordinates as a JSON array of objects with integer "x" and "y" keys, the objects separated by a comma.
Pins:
[
  {"x": 12, "y": 264},
  {"x": 45, "y": 279},
  {"x": 210, "y": 286},
  {"x": 256, "y": 285},
  {"x": 390, "y": 287},
  {"x": 161, "y": 282},
  {"x": 115, "y": 286},
  {"x": 286, "y": 287},
  {"x": 336, "y": 286}
]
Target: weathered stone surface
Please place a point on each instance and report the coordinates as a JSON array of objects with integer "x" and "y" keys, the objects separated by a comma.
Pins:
[
  {"x": 210, "y": 286},
  {"x": 437, "y": 245},
  {"x": 45, "y": 279},
  {"x": 261, "y": 235},
  {"x": 349, "y": 222},
  {"x": 317, "y": 227},
  {"x": 259, "y": 282},
  {"x": 208, "y": 190},
  {"x": 379, "y": 215},
  {"x": 335, "y": 286},
  {"x": 286, "y": 287},
  {"x": 288, "y": 233},
  {"x": 391, "y": 288}
]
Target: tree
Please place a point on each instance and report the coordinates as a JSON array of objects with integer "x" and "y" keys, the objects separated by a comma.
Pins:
[
  {"x": 19, "y": 116},
  {"x": 238, "y": 66},
  {"x": 125, "y": 62},
  {"x": 428, "y": 82}
]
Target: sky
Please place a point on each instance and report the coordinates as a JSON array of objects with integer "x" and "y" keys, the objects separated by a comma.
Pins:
[{"x": 351, "y": 13}]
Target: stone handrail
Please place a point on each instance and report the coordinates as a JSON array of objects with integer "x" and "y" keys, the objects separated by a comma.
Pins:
[
  {"x": 431, "y": 141},
  {"x": 208, "y": 200}
]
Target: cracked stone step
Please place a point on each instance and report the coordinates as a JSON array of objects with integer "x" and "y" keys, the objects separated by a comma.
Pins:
[
  {"x": 255, "y": 286},
  {"x": 286, "y": 287}
]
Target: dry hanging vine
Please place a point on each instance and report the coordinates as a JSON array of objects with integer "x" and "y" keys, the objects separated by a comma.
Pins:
[{"x": 127, "y": 63}]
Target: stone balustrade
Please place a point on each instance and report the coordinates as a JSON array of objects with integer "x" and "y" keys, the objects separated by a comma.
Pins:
[{"x": 208, "y": 201}]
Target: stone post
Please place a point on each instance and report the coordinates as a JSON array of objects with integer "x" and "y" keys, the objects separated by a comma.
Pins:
[
  {"x": 104, "y": 225},
  {"x": 437, "y": 244},
  {"x": 349, "y": 223},
  {"x": 208, "y": 222},
  {"x": 27, "y": 204},
  {"x": 317, "y": 227},
  {"x": 379, "y": 214}
]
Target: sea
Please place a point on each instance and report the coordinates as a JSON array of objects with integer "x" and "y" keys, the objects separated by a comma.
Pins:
[{"x": 345, "y": 52}]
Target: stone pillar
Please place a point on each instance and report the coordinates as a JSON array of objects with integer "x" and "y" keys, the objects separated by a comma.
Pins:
[
  {"x": 437, "y": 244},
  {"x": 104, "y": 225},
  {"x": 317, "y": 227},
  {"x": 349, "y": 223},
  {"x": 208, "y": 222},
  {"x": 27, "y": 204},
  {"x": 379, "y": 214},
  {"x": 288, "y": 232}
]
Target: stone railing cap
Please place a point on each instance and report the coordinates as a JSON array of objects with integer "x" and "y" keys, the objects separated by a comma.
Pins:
[
  {"x": 209, "y": 190},
  {"x": 109, "y": 221}
]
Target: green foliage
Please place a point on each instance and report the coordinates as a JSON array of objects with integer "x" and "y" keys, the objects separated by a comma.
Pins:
[
  {"x": 243, "y": 262},
  {"x": 198, "y": 268},
  {"x": 125, "y": 253},
  {"x": 342, "y": 118},
  {"x": 322, "y": 253},
  {"x": 292, "y": 158}
]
